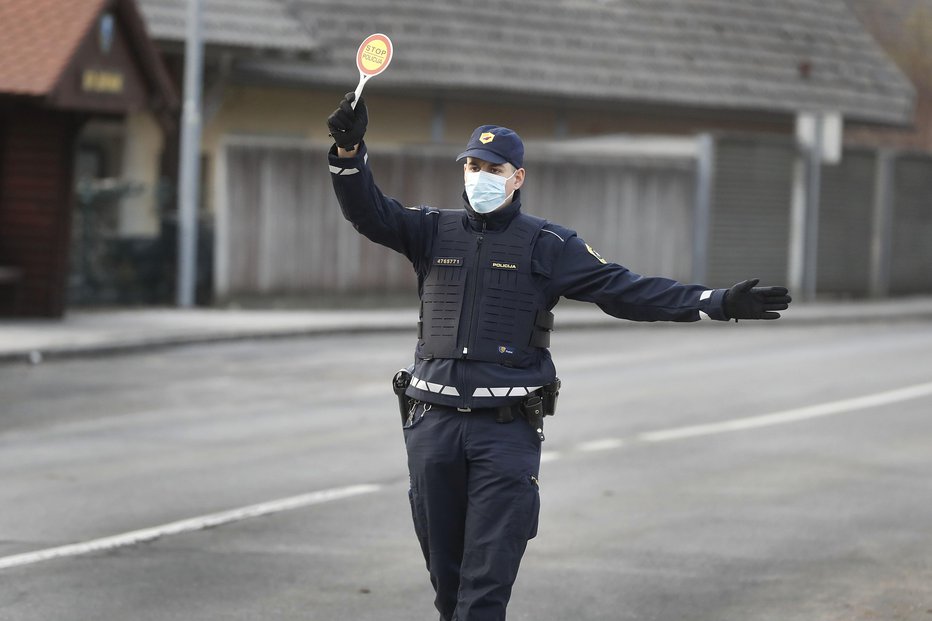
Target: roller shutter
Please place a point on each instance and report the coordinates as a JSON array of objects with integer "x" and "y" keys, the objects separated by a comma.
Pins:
[{"x": 750, "y": 215}]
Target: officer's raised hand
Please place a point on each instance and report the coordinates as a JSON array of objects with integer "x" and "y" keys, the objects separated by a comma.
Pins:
[
  {"x": 347, "y": 125},
  {"x": 745, "y": 301}
]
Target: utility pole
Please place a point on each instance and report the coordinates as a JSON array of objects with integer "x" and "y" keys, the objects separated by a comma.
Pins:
[
  {"x": 819, "y": 138},
  {"x": 705, "y": 179},
  {"x": 190, "y": 156},
  {"x": 813, "y": 198}
]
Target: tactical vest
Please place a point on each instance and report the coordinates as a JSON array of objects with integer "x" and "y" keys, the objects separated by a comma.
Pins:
[{"x": 479, "y": 300}]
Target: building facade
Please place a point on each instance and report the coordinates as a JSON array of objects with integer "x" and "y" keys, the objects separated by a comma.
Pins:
[
  {"x": 638, "y": 77},
  {"x": 64, "y": 67}
]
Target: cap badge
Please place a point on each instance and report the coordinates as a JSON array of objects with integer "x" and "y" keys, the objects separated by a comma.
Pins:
[{"x": 487, "y": 137}]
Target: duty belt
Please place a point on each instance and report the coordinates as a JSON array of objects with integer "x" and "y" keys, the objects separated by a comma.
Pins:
[{"x": 537, "y": 403}]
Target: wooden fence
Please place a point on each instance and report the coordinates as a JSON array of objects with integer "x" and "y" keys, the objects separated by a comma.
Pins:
[{"x": 280, "y": 229}]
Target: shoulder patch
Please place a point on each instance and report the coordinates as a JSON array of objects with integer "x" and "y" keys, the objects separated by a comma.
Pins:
[{"x": 595, "y": 254}]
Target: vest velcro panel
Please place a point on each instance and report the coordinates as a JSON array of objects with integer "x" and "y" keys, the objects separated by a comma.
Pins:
[{"x": 444, "y": 288}]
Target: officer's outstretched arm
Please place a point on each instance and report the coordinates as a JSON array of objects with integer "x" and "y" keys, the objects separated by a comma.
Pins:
[{"x": 582, "y": 274}]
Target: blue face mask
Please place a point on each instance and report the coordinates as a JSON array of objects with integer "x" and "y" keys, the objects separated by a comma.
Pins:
[{"x": 485, "y": 191}]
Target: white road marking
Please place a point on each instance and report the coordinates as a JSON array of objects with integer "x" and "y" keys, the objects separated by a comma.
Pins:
[
  {"x": 753, "y": 422},
  {"x": 605, "y": 444},
  {"x": 295, "y": 502},
  {"x": 192, "y": 524},
  {"x": 791, "y": 416}
]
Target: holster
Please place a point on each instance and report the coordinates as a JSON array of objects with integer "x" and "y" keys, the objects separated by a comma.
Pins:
[
  {"x": 535, "y": 407},
  {"x": 399, "y": 386},
  {"x": 550, "y": 392},
  {"x": 532, "y": 409}
]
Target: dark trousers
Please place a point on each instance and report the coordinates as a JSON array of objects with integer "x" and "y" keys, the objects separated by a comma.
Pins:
[{"x": 475, "y": 503}]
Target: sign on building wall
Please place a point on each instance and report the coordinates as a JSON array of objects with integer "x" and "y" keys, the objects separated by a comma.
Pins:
[{"x": 103, "y": 75}]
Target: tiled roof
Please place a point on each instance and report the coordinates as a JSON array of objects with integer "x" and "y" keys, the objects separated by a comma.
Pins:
[
  {"x": 37, "y": 40},
  {"x": 761, "y": 55},
  {"x": 263, "y": 24}
]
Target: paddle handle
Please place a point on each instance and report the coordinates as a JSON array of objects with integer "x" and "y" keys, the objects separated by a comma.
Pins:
[{"x": 363, "y": 78}]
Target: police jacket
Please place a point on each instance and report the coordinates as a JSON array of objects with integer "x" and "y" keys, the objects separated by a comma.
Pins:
[{"x": 488, "y": 283}]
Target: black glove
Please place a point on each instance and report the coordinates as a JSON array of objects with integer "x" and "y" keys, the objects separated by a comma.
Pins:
[
  {"x": 745, "y": 301},
  {"x": 348, "y": 126}
]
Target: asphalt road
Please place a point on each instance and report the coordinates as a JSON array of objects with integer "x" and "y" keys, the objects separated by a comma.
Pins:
[{"x": 815, "y": 513}]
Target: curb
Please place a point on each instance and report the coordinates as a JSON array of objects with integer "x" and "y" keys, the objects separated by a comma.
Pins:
[
  {"x": 38, "y": 355},
  {"x": 146, "y": 344}
]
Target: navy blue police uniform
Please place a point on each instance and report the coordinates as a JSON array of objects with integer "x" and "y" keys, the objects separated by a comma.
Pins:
[{"x": 488, "y": 284}]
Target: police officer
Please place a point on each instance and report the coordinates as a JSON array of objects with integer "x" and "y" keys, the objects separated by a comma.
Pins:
[{"x": 488, "y": 277}]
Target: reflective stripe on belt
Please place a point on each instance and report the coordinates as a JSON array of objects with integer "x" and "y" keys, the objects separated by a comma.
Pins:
[
  {"x": 505, "y": 391},
  {"x": 440, "y": 389}
]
